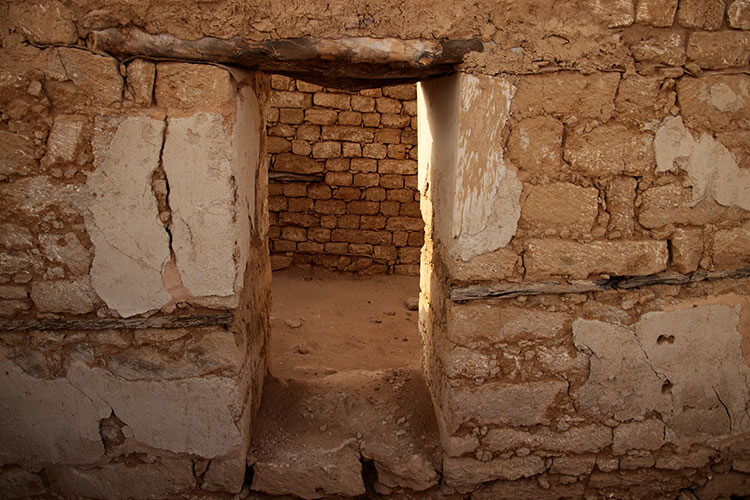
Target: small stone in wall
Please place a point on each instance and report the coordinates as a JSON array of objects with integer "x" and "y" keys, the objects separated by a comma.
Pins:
[
  {"x": 738, "y": 14},
  {"x": 140, "y": 80},
  {"x": 63, "y": 139},
  {"x": 701, "y": 14},
  {"x": 63, "y": 296},
  {"x": 658, "y": 13},
  {"x": 687, "y": 249}
]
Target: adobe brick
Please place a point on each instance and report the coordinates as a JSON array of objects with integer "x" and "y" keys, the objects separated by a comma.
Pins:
[
  {"x": 397, "y": 151},
  {"x": 351, "y": 150},
  {"x": 348, "y": 221},
  {"x": 404, "y": 224},
  {"x": 410, "y": 107},
  {"x": 360, "y": 249},
  {"x": 281, "y": 130},
  {"x": 284, "y": 246},
  {"x": 392, "y": 181},
  {"x": 350, "y": 118},
  {"x": 364, "y": 165},
  {"x": 290, "y": 115},
  {"x": 295, "y": 190},
  {"x": 328, "y": 221},
  {"x": 337, "y": 165},
  {"x": 410, "y": 209},
  {"x": 385, "y": 252},
  {"x": 337, "y": 248},
  {"x": 402, "y": 195},
  {"x": 363, "y": 207},
  {"x": 410, "y": 181},
  {"x": 347, "y": 193},
  {"x": 400, "y": 167},
  {"x": 404, "y": 92},
  {"x": 339, "y": 178},
  {"x": 309, "y": 247},
  {"x": 388, "y": 135},
  {"x": 416, "y": 239},
  {"x": 376, "y": 92},
  {"x": 284, "y": 99},
  {"x": 296, "y": 164},
  {"x": 371, "y": 119},
  {"x": 319, "y": 234},
  {"x": 393, "y": 120},
  {"x": 326, "y": 149},
  {"x": 319, "y": 192},
  {"x": 281, "y": 82},
  {"x": 272, "y": 115},
  {"x": 358, "y": 236},
  {"x": 400, "y": 238},
  {"x": 300, "y": 219},
  {"x": 414, "y": 153},
  {"x": 346, "y": 133},
  {"x": 372, "y": 222},
  {"x": 336, "y": 207},
  {"x": 277, "y": 203},
  {"x": 366, "y": 179},
  {"x": 387, "y": 105},
  {"x": 389, "y": 207},
  {"x": 407, "y": 255},
  {"x": 363, "y": 103},
  {"x": 338, "y": 101},
  {"x": 375, "y": 150},
  {"x": 307, "y": 132},
  {"x": 321, "y": 116},
  {"x": 300, "y": 204},
  {"x": 277, "y": 145},
  {"x": 308, "y": 87},
  {"x": 292, "y": 233},
  {"x": 301, "y": 148},
  {"x": 274, "y": 232},
  {"x": 414, "y": 122},
  {"x": 275, "y": 188},
  {"x": 374, "y": 194},
  {"x": 409, "y": 137}
]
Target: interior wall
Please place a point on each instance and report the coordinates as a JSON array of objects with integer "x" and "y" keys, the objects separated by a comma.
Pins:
[{"x": 343, "y": 193}]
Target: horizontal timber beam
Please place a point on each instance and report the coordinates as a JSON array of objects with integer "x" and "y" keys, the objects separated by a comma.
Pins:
[
  {"x": 524, "y": 288},
  {"x": 223, "y": 318},
  {"x": 350, "y": 62}
]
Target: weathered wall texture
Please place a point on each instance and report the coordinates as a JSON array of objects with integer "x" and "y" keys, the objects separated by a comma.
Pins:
[
  {"x": 581, "y": 178},
  {"x": 355, "y": 207},
  {"x": 129, "y": 191},
  {"x": 575, "y": 178}
]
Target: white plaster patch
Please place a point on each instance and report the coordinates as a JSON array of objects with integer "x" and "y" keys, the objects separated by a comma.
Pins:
[
  {"x": 486, "y": 205},
  {"x": 672, "y": 143},
  {"x": 666, "y": 362},
  {"x": 713, "y": 171},
  {"x": 131, "y": 246},
  {"x": 197, "y": 161},
  {"x": 722, "y": 97}
]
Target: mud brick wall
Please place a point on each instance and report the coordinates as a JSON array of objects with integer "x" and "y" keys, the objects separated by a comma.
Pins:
[{"x": 360, "y": 212}]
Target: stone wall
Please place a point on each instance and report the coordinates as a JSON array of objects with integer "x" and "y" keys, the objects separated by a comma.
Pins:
[
  {"x": 351, "y": 202},
  {"x": 134, "y": 274},
  {"x": 584, "y": 303}
]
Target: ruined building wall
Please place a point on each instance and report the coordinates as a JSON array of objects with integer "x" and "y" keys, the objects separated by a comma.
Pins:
[
  {"x": 591, "y": 148},
  {"x": 134, "y": 274},
  {"x": 351, "y": 202}
]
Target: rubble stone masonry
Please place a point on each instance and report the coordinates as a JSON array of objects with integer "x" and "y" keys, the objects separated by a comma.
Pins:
[{"x": 353, "y": 205}]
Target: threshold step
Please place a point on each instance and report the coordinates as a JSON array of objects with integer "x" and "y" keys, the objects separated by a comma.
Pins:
[{"x": 312, "y": 437}]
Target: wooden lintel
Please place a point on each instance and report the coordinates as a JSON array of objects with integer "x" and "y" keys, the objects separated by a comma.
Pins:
[
  {"x": 289, "y": 177},
  {"x": 510, "y": 290},
  {"x": 223, "y": 318},
  {"x": 344, "y": 62}
]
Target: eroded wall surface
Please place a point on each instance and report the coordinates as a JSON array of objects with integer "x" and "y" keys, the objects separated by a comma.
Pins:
[
  {"x": 589, "y": 143},
  {"x": 134, "y": 274},
  {"x": 345, "y": 197}
]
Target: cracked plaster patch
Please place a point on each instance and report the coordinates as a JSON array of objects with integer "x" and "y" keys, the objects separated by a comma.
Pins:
[
  {"x": 131, "y": 244},
  {"x": 712, "y": 169},
  {"x": 659, "y": 364}
]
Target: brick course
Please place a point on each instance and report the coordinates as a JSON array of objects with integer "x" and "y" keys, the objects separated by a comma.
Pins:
[{"x": 362, "y": 145}]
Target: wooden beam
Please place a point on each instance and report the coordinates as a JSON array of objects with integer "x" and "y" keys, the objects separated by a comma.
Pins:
[
  {"x": 510, "y": 290},
  {"x": 289, "y": 177},
  {"x": 223, "y": 318},
  {"x": 344, "y": 62}
]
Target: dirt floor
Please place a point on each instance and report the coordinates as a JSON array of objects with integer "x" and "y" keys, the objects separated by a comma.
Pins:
[
  {"x": 325, "y": 323},
  {"x": 346, "y": 410}
]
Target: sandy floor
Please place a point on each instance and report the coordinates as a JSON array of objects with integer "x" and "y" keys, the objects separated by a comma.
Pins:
[{"x": 326, "y": 324}]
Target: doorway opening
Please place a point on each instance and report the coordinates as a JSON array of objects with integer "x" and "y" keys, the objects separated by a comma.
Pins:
[{"x": 346, "y": 384}]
